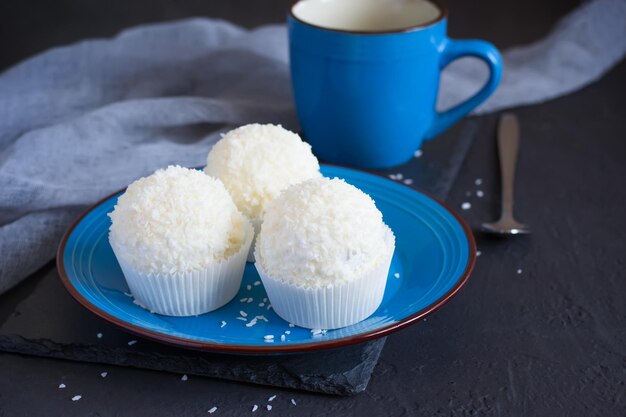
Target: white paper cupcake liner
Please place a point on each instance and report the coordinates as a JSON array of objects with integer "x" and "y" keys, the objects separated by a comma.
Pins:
[
  {"x": 256, "y": 223},
  {"x": 334, "y": 306},
  {"x": 190, "y": 293}
]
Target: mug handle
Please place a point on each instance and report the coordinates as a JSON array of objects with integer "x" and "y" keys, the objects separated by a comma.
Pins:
[{"x": 455, "y": 49}]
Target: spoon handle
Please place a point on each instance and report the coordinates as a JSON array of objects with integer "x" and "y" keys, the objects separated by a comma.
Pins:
[{"x": 508, "y": 144}]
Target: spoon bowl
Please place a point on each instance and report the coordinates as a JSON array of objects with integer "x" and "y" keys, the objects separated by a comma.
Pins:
[{"x": 505, "y": 227}]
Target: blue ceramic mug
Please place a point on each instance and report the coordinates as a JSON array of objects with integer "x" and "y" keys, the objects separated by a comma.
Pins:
[{"x": 365, "y": 77}]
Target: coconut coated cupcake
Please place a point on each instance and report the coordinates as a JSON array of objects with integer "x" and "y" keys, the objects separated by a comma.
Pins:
[
  {"x": 257, "y": 162},
  {"x": 180, "y": 241},
  {"x": 323, "y": 254}
]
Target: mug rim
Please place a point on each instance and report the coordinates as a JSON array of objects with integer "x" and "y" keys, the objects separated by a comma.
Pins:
[{"x": 414, "y": 28}]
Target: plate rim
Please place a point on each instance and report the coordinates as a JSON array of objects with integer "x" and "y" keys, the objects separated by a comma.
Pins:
[{"x": 272, "y": 349}]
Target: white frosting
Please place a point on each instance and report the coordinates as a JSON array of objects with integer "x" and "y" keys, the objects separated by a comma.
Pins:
[
  {"x": 321, "y": 232},
  {"x": 256, "y": 162},
  {"x": 174, "y": 221}
]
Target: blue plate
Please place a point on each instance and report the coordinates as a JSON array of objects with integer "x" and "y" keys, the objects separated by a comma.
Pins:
[{"x": 435, "y": 254}]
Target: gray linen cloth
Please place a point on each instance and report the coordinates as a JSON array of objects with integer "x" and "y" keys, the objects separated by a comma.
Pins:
[{"x": 81, "y": 121}]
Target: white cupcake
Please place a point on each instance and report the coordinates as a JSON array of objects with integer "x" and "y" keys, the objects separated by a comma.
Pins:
[
  {"x": 323, "y": 254},
  {"x": 180, "y": 241},
  {"x": 256, "y": 163}
]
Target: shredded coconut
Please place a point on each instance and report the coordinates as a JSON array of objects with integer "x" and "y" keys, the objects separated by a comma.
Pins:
[
  {"x": 321, "y": 232},
  {"x": 254, "y": 408},
  {"x": 76, "y": 397},
  {"x": 174, "y": 221},
  {"x": 256, "y": 162},
  {"x": 212, "y": 410}
]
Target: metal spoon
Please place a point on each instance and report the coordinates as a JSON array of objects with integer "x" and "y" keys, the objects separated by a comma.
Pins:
[{"x": 508, "y": 144}]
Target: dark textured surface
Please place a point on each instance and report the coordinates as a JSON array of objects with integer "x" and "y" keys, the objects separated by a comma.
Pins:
[
  {"x": 39, "y": 317},
  {"x": 547, "y": 342}
]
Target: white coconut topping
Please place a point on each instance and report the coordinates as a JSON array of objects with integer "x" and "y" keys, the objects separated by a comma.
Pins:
[
  {"x": 256, "y": 162},
  {"x": 319, "y": 233},
  {"x": 174, "y": 221}
]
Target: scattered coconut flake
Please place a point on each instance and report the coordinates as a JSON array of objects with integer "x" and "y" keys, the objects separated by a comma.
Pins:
[
  {"x": 396, "y": 275},
  {"x": 99, "y": 335},
  {"x": 292, "y": 325},
  {"x": 293, "y": 402},
  {"x": 480, "y": 193},
  {"x": 241, "y": 318},
  {"x": 416, "y": 154},
  {"x": 478, "y": 253},
  {"x": 265, "y": 300},
  {"x": 271, "y": 398},
  {"x": 243, "y": 313},
  {"x": 251, "y": 323},
  {"x": 76, "y": 397},
  {"x": 223, "y": 323},
  {"x": 282, "y": 337},
  {"x": 132, "y": 342},
  {"x": 269, "y": 307},
  {"x": 104, "y": 374},
  {"x": 268, "y": 337},
  {"x": 478, "y": 181},
  {"x": 315, "y": 332},
  {"x": 127, "y": 294},
  {"x": 61, "y": 386},
  {"x": 243, "y": 300},
  {"x": 408, "y": 181},
  {"x": 257, "y": 283},
  {"x": 466, "y": 206},
  {"x": 254, "y": 408},
  {"x": 248, "y": 287},
  {"x": 519, "y": 271},
  {"x": 262, "y": 318},
  {"x": 269, "y": 407},
  {"x": 212, "y": 410},
  {"x": 287, "y": 331},
  {"x": 184, "y": 377},
  {"x": 250, "y": 300}
]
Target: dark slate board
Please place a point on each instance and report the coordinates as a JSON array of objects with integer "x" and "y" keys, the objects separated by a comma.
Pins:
[{"x": 40, "y": 318}]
